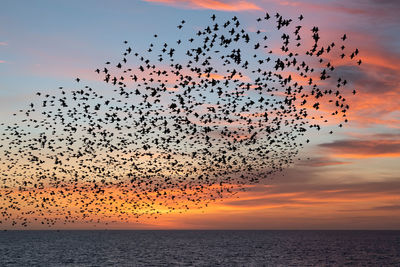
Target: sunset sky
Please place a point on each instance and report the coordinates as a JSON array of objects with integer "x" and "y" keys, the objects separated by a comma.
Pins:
[{"x": 352, "y": 179}]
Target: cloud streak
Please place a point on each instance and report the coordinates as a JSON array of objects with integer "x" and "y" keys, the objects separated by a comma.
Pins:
[
  {"x": 323, "y": 162},
  {"x": 364, "y": 148},
  {"x": 210, "y": 4}
]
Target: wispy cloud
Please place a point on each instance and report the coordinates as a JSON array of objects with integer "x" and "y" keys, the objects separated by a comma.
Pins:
[
  {"x": 364, "y": 148},
  {"x": 322, "y": 162},
  {"x": 3, "y": 43},
  {"x": 300, "y": 203},
  {"x": 210, "y": 4}
]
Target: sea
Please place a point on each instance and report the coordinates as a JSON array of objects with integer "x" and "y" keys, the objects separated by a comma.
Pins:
[{"x": 199, "y": 248}]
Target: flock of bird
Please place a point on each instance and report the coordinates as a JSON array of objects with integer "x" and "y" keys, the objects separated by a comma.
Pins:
[{"x": 183, "y": 124}]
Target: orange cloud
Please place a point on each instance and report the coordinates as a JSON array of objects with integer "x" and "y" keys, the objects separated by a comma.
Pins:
[
  {"x": 210, "y": 4},
  {"x": 296, "y": 206},
  {"x": 369, "y": 109}
]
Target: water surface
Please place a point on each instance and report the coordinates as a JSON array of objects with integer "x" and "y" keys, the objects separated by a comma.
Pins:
[{"x": 200, "y": 248}]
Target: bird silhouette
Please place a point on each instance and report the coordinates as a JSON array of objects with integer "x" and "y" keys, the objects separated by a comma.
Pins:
[{"x": 220, "y": 113}]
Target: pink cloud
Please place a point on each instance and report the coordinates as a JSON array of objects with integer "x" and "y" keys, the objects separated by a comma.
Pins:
[
  {"x": 3, "y": 43},
  {"x": 210, "y": 4}
]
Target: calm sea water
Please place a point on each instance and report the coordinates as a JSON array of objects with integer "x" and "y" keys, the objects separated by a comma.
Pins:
[{"x": 200, "y": 248}]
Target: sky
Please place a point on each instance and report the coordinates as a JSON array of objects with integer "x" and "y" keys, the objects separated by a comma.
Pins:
[{"x": 352, "y": 179}]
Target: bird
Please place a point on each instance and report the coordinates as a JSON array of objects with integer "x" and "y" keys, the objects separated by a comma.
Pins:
[{"x": 183, "y": 125}]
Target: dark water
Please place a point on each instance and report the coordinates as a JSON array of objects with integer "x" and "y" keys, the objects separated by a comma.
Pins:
[{"x": 200, "y": 248}]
